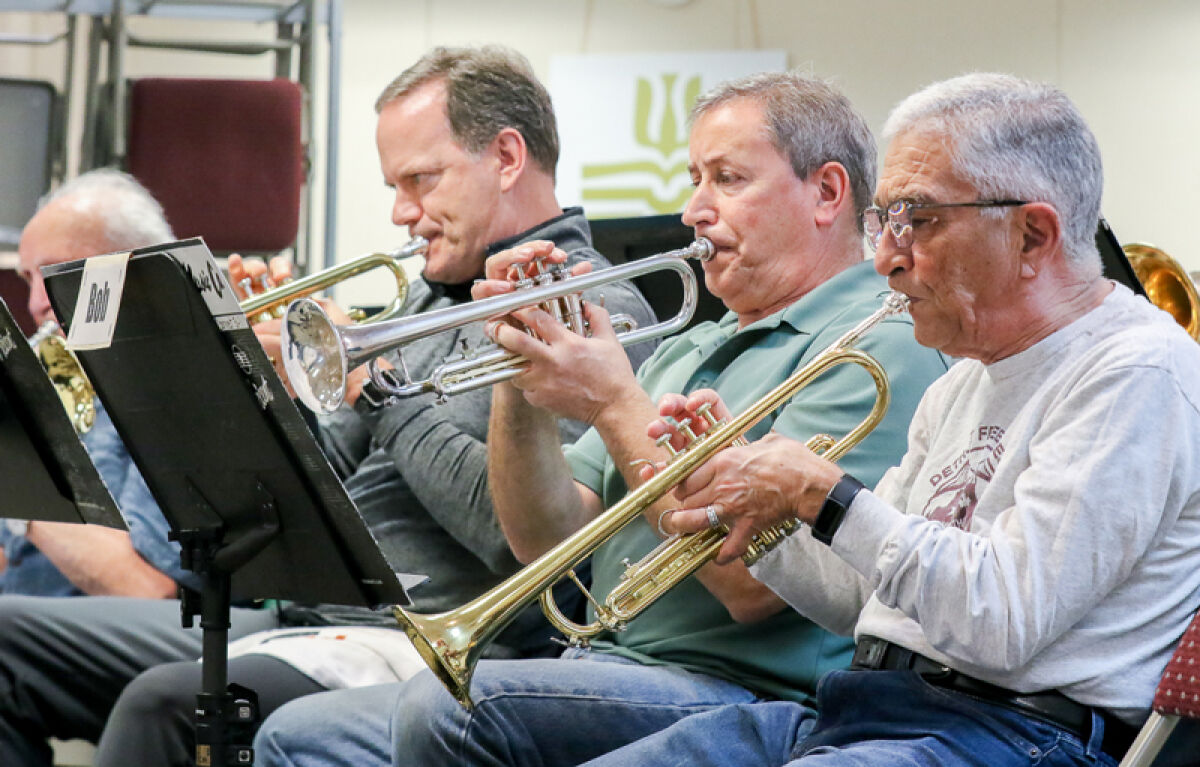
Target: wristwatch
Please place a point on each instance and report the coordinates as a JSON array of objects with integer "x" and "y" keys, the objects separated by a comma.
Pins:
[
  {"x": 829, "y": 518},
  {"x": 372, "y": 395}
]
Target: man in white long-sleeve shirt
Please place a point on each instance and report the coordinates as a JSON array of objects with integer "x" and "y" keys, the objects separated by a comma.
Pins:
[{"x": 1017, "y": 584}]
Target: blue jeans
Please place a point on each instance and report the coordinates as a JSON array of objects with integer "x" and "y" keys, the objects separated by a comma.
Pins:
[
  {"x": 868, "y": 718},
  {"x": 557, "y": 711}
]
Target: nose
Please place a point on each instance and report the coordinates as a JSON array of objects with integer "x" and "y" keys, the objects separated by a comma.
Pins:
[
  {"x": 699, "y": 208},
  {"x": 888, "y": 257},
  {"x": 38, "y": 303},
  {"x": 405, "y": 210}
]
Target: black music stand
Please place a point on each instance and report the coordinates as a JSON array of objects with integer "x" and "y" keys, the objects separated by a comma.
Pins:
[
  {"x": 258, "y": 510},
  {"x": 44, "y": 468}
]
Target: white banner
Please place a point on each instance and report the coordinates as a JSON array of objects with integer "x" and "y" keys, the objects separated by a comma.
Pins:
[{"x": 622, "y": 119}]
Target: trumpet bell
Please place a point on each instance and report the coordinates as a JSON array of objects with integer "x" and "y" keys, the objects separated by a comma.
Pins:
[
  {"x": 313, "y": 356},
  {"x": 1167, "y": 285},
  {"x": 65, "y": 373}
]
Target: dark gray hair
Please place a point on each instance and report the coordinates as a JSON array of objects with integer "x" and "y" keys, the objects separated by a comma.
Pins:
[
  {"x": 1014, "y": 138},
  {"x": 132, "y": 217},
  {"x": 811, "y": 123},
  {"x": 488, "y": 89}
]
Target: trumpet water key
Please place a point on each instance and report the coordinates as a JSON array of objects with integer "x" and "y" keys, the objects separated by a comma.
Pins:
[
  {"x": 270, "y": 304},
  {"x": 317, "y": 354},
  {"x": 452, "y": 642}
]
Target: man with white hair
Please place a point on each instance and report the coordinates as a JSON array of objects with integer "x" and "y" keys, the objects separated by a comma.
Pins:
[
  {"x": 1017, "y": 583},
  {"x": 74, "y": 592},
  {"x": 98, "y": 212}
]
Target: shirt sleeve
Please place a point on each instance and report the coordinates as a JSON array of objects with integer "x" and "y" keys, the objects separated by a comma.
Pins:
[
  {"x": 1085, "y": 511},
  {"x": 802, "y": 571}
]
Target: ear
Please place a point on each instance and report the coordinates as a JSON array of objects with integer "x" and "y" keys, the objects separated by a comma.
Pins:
[
  {"x": 511, "y": 154},
  {"x": 833, "y": 192},
  {"x": 1040, "y": 230}
]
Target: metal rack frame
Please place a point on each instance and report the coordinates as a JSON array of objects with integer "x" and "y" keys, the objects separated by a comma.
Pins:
[{"x": 294, "y": 50}]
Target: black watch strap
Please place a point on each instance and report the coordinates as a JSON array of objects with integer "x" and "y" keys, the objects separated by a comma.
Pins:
[
  {"x": 829, "y": 518},
  {"x": 373, "y": 396}
]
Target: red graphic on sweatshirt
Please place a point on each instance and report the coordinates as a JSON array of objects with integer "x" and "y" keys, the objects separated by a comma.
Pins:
[{"x": 960, "y": 483}]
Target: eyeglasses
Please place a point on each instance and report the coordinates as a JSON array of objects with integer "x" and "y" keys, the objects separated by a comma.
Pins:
[{"x": 898, "y": 217}]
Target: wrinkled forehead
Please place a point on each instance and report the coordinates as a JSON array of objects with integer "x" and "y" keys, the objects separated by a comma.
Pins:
[{"x": 919, "y": 166}]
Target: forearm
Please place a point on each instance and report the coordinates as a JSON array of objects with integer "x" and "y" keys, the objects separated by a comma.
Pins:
[
  {"x": 746, "y": 599},
  {"x": 99, "y": 561},
  {"x": 534, "y": 496}
]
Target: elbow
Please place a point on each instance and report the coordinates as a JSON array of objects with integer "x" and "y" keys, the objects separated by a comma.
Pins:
[
  {"x": 527, "y": 551},
  {"x": 754, "y": 610}
]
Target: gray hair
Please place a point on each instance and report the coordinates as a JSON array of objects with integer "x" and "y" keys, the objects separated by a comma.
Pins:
[
  {"x": 488, "y": 89},
  {"x": 811, "y": 123},
  {"x": 132, "y": 217},
  {"x": 1014, "y": 138}
]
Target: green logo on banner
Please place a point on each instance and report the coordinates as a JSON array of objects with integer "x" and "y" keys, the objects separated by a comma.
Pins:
[{"x": 666, "y": 143}]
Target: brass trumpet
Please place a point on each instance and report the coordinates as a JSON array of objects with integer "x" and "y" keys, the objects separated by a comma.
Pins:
[
  {"x": 73, "y": 387},
  {"x": 270, "y": 304},
  {"x": 452, "y": 642},
  {"x": 318, "y": 354}
]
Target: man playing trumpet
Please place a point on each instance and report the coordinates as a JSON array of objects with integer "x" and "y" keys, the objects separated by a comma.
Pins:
[
  {"x": 468, "y": 144},
  {"x": 782, "y": 166},
  {"x": 1017, "y": 584}
]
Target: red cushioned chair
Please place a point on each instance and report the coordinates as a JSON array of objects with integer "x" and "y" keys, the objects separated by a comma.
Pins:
[
  {"x": 224, "y": 157},
  {"x": 1177, "y": 697}
]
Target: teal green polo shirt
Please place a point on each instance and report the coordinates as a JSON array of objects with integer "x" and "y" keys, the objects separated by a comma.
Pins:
[{"x": 784, "y": 655}]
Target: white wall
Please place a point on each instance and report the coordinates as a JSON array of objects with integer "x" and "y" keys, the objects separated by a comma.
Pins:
[{"x": 1132, "y": 67}]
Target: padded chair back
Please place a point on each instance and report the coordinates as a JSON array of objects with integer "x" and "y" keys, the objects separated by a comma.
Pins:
[
  {"x": 224, "y": 157},
  {"x": 1177, "y": 696}
]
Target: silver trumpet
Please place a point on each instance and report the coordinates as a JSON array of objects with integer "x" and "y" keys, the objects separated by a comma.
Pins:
[{"x": 317, "y": 354}]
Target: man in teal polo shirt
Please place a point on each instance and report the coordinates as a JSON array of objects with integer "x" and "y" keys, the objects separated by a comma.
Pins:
[{"x": 782, "y": 167}]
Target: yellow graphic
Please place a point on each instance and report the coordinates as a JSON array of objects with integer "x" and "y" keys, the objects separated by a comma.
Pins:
[{"x": 639, "y": 180}]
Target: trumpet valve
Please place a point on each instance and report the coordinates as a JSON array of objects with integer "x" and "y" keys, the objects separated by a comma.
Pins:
[
  {"x": 665, "y": 442},
  {"x": 522, "y": 280},
  {"x": 685, "y": 428}
]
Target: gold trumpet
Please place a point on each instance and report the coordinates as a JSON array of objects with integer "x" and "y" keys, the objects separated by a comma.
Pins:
[
  {"x": 61, "y": 365},
  {"x": 270, "y": 304},
  {"x": 1167, "y": 285},
  {"x": 452, "y": 642},
  {"x": 318, "y": 354}
]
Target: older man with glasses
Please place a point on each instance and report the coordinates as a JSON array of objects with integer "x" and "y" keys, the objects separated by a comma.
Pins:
[{"x": 1016, "y": 584}]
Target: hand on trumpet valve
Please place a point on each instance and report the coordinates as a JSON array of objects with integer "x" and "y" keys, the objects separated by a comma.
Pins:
[
  {"x": 524, "y": 265},
  {"x": 750, "y": 488},
  {"x": 251, "y": 276},
  {"x": 685, "y": 418},
  {"x": 574, "y": 376}
]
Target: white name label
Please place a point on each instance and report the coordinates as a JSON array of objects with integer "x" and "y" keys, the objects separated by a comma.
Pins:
[{"x": 99, "y": 298}]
